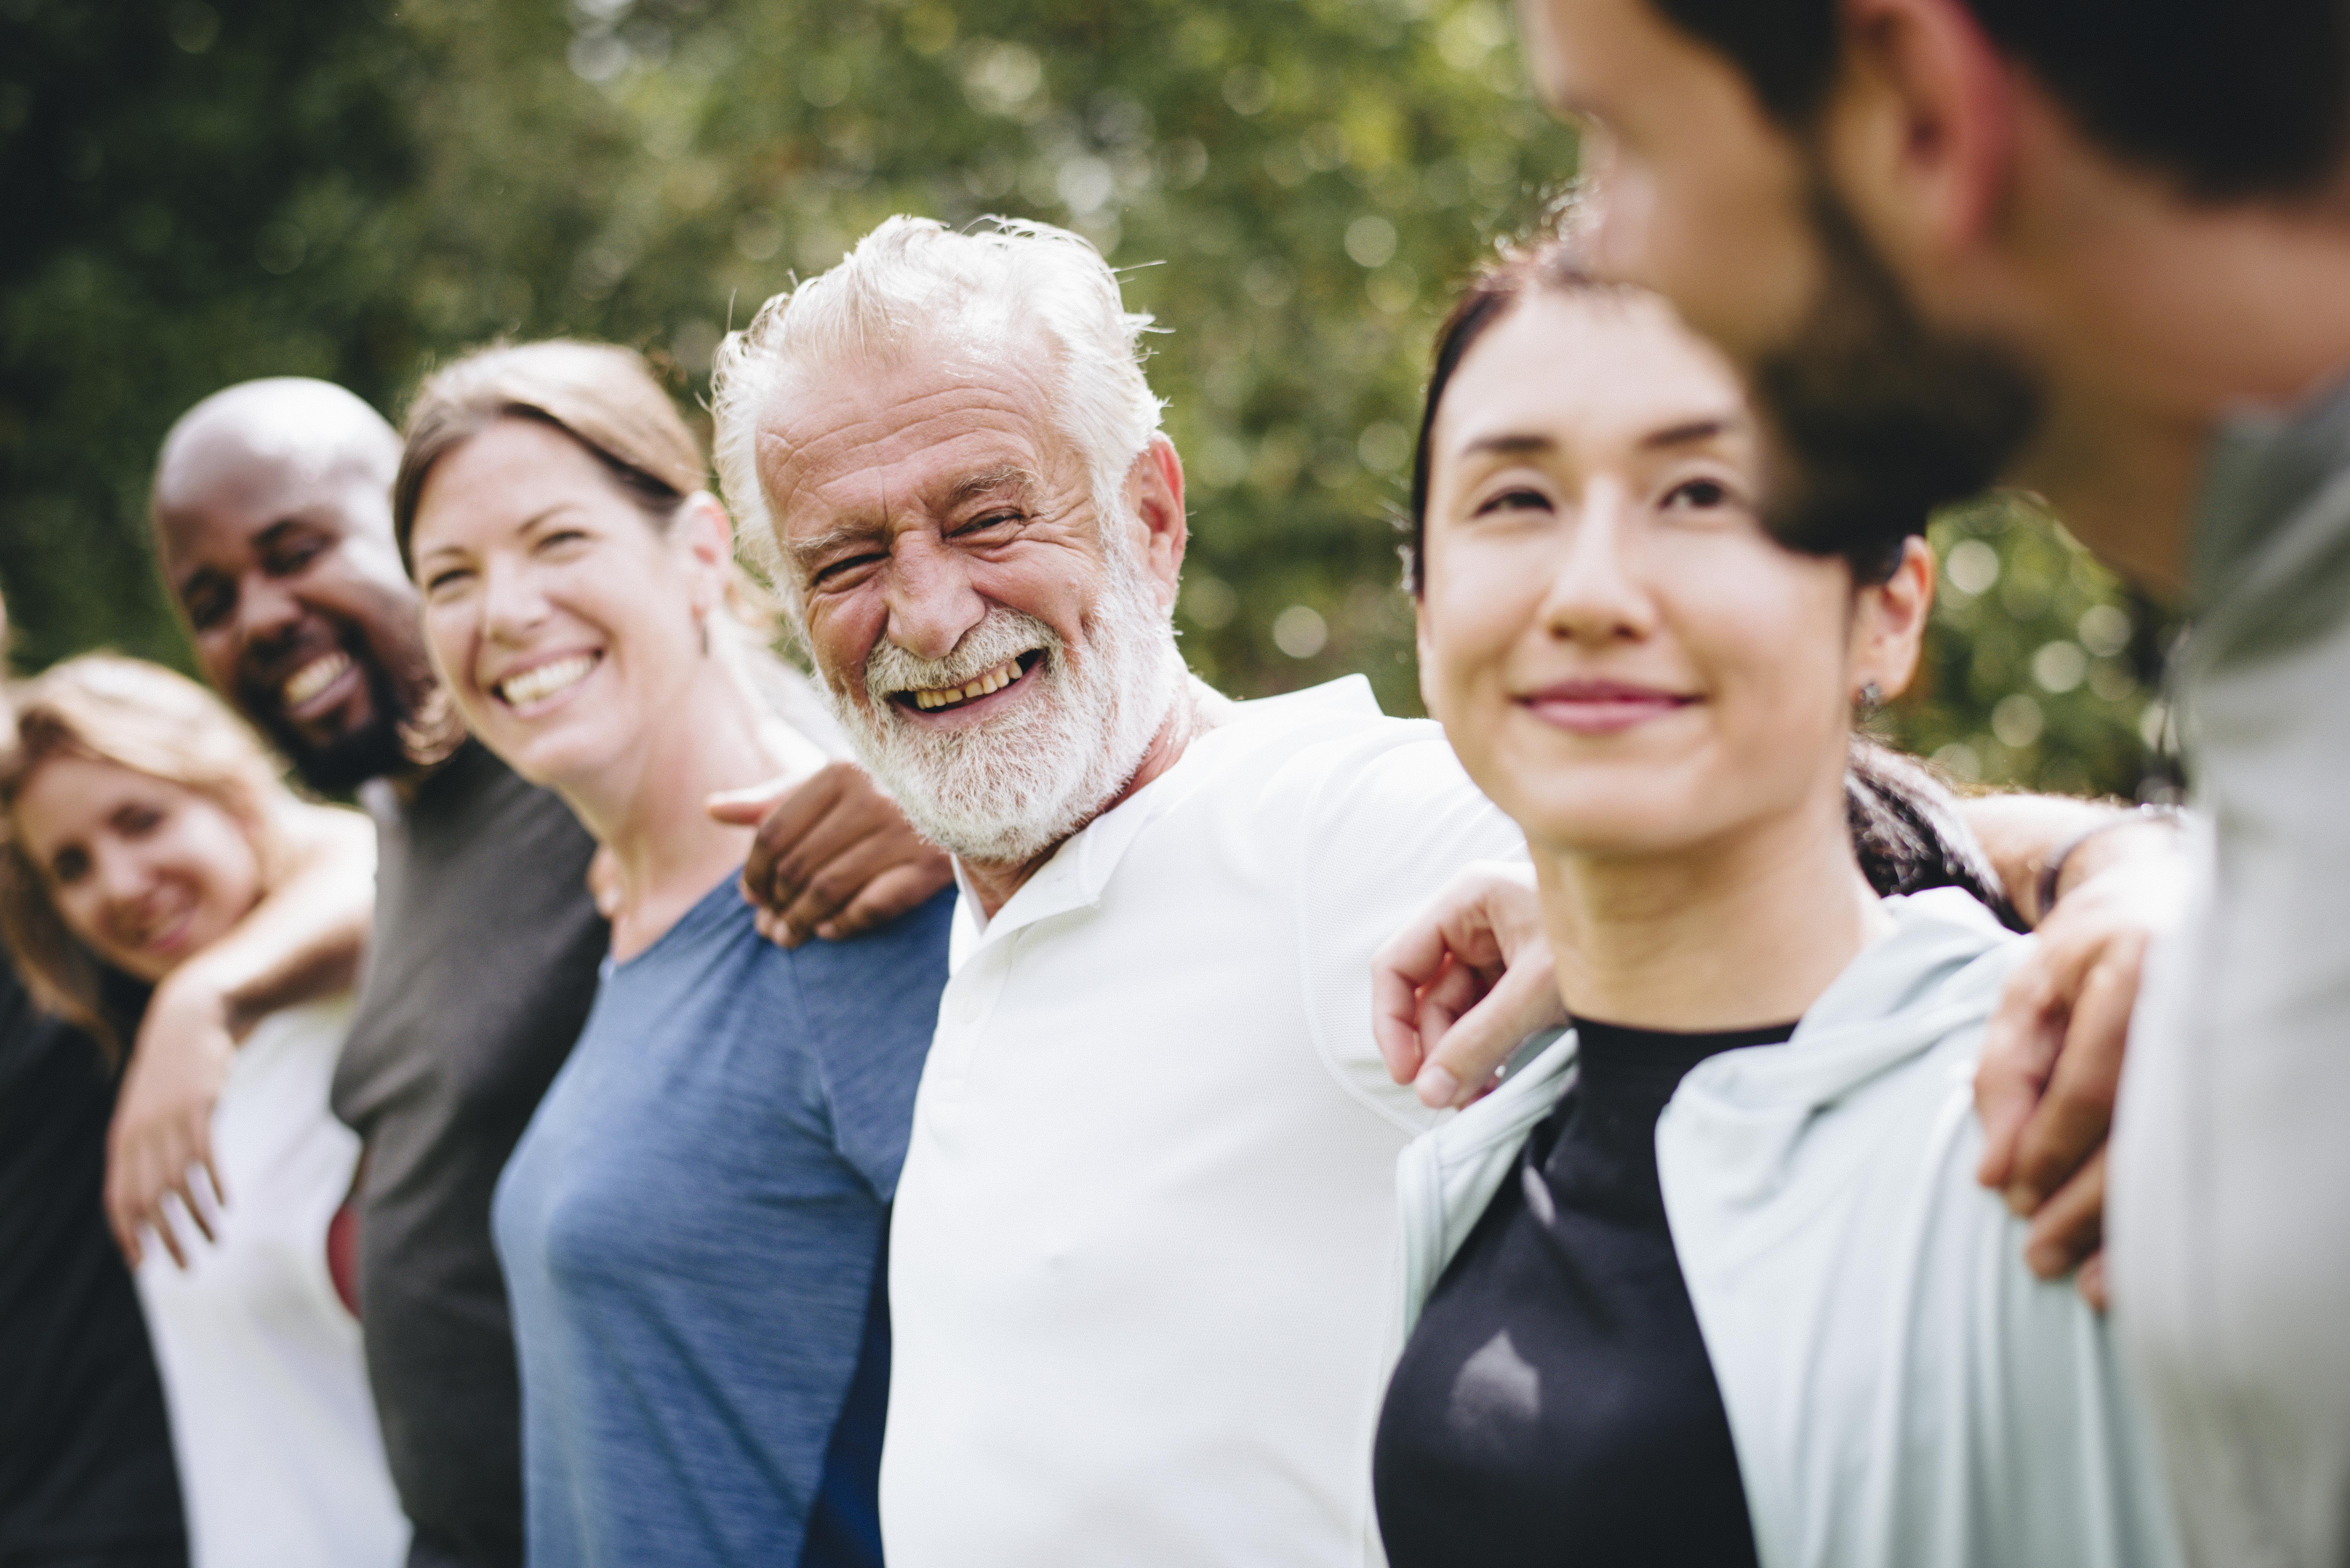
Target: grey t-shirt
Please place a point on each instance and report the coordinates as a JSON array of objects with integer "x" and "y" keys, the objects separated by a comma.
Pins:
[{"x": 482, "y": 971}]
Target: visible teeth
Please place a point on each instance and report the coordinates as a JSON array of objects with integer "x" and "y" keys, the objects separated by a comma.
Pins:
[
  {"x": 313, "y": 677},
  {"x": 544, "y": 681},
  {"x": 995, "y": 679}
]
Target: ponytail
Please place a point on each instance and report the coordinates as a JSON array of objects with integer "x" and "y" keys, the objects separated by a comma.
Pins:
[{"x": 1907, "y": 830}]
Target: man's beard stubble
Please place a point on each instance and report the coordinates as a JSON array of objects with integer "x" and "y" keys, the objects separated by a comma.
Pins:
[
  {"x": 1877, "y": 418},
  {"x": 411, "y": 725}
]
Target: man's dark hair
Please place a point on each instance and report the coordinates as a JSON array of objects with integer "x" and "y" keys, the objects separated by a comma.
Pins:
[{"x": 2230, "y": 97}]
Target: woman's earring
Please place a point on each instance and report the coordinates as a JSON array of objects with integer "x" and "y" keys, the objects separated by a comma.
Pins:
[{"x": 1869, "y": 699}]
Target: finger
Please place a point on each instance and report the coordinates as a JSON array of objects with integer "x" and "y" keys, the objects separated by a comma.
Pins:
[
  {"x": 1411, "y": 959},
  {"x": 905, "y": 887},
  {"x": 160, "y": 1221},
  {"x": 2018, "y": 1053},
  {"x": 1525, "y": 1000},
  {"x": 184, "y": 1189},
  {"x": 2076, "y": 1112},
  {"x": 773, "y": 869},
  {"x": 845, "y": 873},
  {"x": 746, "y": 807},
  {"x": 2091, "y": 1283},
  {"x": 2071, "y": 1225}
]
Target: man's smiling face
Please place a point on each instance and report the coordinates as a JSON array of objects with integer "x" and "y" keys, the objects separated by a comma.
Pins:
[
  {"x": 284, "y": 564},
  {"x": 996, "y": 644}
]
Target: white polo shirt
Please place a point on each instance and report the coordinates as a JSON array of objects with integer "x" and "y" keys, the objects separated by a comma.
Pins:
[{"x": 1145, "y": 1241}]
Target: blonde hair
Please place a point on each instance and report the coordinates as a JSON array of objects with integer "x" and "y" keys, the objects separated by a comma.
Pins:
[{"x": 104, "y": 708}]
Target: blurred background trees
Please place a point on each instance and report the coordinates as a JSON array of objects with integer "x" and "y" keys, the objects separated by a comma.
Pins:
[{"x": 202, "y": 191}]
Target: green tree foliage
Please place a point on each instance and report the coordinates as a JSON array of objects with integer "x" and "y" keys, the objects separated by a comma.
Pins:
[{"x": 208, "y": 190}]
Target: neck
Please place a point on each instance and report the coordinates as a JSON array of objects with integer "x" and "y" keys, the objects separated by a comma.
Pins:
[
  {"x": 994, "y": 882},
  {"x": 1732, "y": 934},
  {"x": 650, "y": 812},
  {"x": 2170, "y": 318}
]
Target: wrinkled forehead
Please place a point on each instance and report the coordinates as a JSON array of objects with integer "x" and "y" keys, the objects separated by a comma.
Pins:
[{"x": 904, "y": 425}]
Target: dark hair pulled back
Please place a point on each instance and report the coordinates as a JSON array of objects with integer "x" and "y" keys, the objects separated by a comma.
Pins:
[{"x": 1905, "y": 821}]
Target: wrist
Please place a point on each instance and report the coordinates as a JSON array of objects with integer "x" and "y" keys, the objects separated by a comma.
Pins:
[{"x": 2117, "y": 839}]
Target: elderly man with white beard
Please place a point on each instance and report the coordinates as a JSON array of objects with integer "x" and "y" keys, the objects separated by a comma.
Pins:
[{"x": 1140, "y": 1261}]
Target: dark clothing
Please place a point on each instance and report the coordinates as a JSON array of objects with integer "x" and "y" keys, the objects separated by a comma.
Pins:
[
  {"x": 85, "y": 1467},
  {"x": 1555, "y": 1403},
  {"x": 480, "y": 971}
]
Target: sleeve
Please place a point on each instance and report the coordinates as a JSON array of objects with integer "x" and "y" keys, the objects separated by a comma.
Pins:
[
  {"x": 1376, "y": 826},
  {"x": 873, "y": 1008}
]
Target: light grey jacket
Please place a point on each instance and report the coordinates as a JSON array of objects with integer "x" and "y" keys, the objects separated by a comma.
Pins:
[{"x": 1902, "y": 1392}]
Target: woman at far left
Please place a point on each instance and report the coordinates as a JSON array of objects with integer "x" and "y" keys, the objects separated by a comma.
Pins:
[{"x": 139, "y": 823}]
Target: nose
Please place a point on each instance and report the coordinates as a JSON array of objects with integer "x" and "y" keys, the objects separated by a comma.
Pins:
[
  {"x": 933, "y": 604},
  {"x": 1595, "y": 595},
  {"x": 119, "y": 877},
  {"x": 267, "y": 612},
  {"x": 512, "y": 602}
]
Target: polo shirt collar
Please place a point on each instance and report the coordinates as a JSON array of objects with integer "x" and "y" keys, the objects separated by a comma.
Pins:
[{"x": 1079, "y": 872}]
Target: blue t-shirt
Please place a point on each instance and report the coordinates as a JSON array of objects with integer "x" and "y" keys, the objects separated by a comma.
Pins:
[{"x": 694, "y": 1232}]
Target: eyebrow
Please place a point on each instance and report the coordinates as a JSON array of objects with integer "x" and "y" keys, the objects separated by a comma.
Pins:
[
  {"x": 1512, "y": 445},
  {"x": 1010, "y": 474},
  {"x": 524, "y": 527},
  {"x": 1686, "y": 435}
]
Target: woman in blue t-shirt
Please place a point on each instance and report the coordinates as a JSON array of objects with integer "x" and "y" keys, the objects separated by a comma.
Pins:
[{"x": 692, "y": 1229}]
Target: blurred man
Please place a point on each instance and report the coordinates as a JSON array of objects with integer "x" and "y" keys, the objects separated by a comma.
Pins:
[
  {"x": 272, "y": 524},
  {"x": 2101, "y": 250}
]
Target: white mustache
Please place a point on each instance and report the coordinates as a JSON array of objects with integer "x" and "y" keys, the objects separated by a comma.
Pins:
[{"x": 1004, "y": 636}]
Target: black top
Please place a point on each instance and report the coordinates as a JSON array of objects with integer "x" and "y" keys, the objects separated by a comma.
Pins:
[
  {"x": 1555, "y": 1405},
  {"x": 86, "y": 1468},
  {"x": 480, "y": 974}
]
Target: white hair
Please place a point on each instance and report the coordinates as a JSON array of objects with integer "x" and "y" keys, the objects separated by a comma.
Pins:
[{"x": 911, "y": 278}]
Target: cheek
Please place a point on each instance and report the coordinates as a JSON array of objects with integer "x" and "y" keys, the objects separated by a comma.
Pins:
[
  {"x": 841, "y": 631},
  {"x": 1481, "y": 600},
  {"x": 214, "y": 853}
]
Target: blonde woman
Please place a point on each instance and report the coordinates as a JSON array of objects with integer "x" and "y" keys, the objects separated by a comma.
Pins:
[{"x": 139, "y": 823}]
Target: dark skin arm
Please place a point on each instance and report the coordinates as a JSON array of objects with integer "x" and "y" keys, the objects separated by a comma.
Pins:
[{"x": 833, "y": 857}]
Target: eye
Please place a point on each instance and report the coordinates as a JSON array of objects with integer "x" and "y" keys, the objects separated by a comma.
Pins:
[
  {"x": 838, "y": 574},
  {"x": 556, "y": 540},
  {"x": 444, "y": 578},
  {"x": 207, "y": 608},
  {"x": 1697, "y": 496},
  {"x": 1518, "y": 499},
  {"x": 999, "y": 519},
  {"x": 68, "y": 867},
  {"x": 137, "y": 821},
  {"x": 293, "y": 551}
]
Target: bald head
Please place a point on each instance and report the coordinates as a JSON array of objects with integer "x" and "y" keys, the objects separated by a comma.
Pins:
[
  {"x": 271, "y": 507},
  {"x": 284, "y": 422}
]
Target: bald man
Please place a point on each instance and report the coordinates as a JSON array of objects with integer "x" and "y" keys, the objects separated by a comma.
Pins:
[{"x": 273, "y": 525}]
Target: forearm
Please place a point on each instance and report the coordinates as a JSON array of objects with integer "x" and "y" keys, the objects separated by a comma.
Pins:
[{"x": 306, "y": 938}]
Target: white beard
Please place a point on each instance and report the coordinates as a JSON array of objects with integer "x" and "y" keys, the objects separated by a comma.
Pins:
[{"x": 1004, "y": 791}]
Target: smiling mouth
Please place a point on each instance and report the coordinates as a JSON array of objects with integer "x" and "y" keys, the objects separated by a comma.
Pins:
[
  {"x": 540, "y": 682},
  {"x": 932, "y": 699},
  {"x": 313, "y": 678}
]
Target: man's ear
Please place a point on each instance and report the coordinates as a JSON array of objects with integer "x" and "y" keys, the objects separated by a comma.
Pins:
[
  {"x": 1889, "y": 622},
  {"x": 1154, "y": 491},
  {"x": 1920, "y": 132}
]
